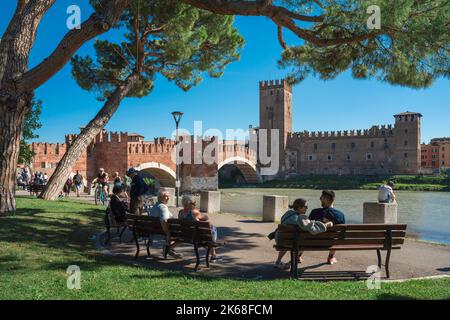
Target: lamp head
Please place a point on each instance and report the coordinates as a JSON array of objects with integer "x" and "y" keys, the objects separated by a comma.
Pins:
[{"x": 177, "y": 116}]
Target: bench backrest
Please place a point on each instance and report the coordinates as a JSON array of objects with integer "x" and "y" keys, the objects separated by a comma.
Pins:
[
  {"x": 181, "y": 230},
  {"x": 190, "y": 232},
  {"x": 387, "y": 235},
  {"x": 143, "y": 224}
]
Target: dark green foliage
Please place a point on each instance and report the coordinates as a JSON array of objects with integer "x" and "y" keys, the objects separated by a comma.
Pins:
[
  {"x": 411, "y": 48},
  {"x": 402, "y": 182},
  {"x": 176, "y": 40},
  {"x": 31, "y": 124}
]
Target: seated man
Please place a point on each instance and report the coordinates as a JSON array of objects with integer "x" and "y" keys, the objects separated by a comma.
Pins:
[
  {"x": 296, "y": 215},
  {"x": 161, "y": 211},
  {"x": 328, "y": 213},
  {"x": 192, "y": 214},
  {"x": 119, "y": 208},
  {"x": 386, "y": 193}
]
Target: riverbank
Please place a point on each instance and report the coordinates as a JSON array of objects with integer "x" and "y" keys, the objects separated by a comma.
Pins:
[{"x": 402, "y": 182}]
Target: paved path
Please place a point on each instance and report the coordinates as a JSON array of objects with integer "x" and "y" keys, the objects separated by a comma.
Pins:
[{"x": 249, "y": 254}]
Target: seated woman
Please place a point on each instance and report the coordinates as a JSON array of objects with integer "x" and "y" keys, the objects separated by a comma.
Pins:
[
  {"x": 296, "y": 215},
  {"x": 119, "y": 208},
  {"x": 192, "y": 214}
]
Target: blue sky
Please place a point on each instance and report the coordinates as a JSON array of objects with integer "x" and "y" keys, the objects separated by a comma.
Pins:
[{"x": 231, "y": 101}]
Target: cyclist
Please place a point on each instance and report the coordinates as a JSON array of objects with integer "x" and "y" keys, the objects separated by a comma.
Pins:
[{"x": 102, "y": 179}]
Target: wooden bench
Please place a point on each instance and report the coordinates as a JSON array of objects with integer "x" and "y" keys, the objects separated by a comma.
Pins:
[
  {"x": 196, "y": 233},
  {"x": 35, "y": 189},
  {"x": 144, "y": 226},
  {"x": 376, "y": 237},
  {"x": 110, "y": 222}
]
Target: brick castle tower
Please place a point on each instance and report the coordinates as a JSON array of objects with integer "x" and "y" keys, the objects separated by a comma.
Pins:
[
  {"x": 407, "y": 142},
  {"x": 275, "y": 112}
]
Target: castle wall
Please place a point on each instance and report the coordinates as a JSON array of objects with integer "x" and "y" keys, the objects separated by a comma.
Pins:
[
  {"x": 357, "y": 152},
  {"x": 48, "y": 156},
  {"x": 380, "y": 150}
]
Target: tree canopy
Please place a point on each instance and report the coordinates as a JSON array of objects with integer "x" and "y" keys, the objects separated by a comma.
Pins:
[{"x": 176, "y": 40}]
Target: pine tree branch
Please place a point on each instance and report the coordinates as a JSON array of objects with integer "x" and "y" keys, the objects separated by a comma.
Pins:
[{"x": 96, "y": 24}]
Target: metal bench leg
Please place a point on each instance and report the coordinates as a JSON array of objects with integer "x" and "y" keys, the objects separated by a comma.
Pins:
[
  {"x": 292, "y": 264},
  {"x": 136, "y": 240},
  {"x": 296, "y": 264},
  {"x": 197, "y": 256},
  {"x": 148, "y": 246},
  {"x": 121, "y": 233},
  {"x": 108, "y": 236},
  {"x": 379, "y": 258},
  {"x": 208, "y": 249},
  {"x": 388, "y": 257},
  {"x": 166, "y": 250}
]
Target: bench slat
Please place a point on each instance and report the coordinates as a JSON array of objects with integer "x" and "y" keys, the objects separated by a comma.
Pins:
[
  {"x": 327, "y": 242},
  {"x": 340, "y": 235},
  {"x": 339, "y": 248}
]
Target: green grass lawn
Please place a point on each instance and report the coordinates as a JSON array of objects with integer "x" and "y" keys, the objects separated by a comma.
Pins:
[{"x": 42, "y": 239}]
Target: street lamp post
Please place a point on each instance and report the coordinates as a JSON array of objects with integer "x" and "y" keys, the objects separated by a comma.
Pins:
[{"x": 177, "y": 117}]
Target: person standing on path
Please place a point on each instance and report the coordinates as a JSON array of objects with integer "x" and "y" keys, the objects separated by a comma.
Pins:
[
  {"x": 78, "y": 181},
  {"x": 137, "y": 192}
]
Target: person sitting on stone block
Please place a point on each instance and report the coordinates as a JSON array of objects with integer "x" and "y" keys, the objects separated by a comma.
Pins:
[{"x": 386, "y": 193}]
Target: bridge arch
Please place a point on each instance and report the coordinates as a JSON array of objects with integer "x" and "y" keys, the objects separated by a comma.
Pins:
[
  {"x": 164, "y": 174},
  {"x": 247, "y": 168}
]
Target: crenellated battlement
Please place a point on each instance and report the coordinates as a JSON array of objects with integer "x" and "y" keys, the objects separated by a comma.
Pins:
[
  {"x": 374, "y": 131},
  {"x": 275, "y": 84},
  {"x": 48, "y": 148}
]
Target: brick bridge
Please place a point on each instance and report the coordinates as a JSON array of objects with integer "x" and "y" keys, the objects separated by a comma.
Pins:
[{"x": 116, "y": 152}]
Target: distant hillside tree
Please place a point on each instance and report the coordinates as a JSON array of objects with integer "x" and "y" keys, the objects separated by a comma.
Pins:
[{"x": 173, "y": 39}]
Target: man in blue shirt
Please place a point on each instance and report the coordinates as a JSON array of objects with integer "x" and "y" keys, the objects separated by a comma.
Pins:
[{"x": 328, "y": 213}]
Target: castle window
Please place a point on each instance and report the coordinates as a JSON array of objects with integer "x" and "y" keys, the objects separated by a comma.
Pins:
[
  {"x": 329, "y": 157},
  {"x": 333, "y": 146},
  {"x": 406, "y": 142},
  {"x": 353, "y": 145},
  {"x": 315, "y": 146},
  {"x": 348, "y": 156},
  {"x": 311, "y": 157},
  {"x": 368, "y": 156},
  {"x": 372, "y": 144},
  {"x": 405, "y": 155}
]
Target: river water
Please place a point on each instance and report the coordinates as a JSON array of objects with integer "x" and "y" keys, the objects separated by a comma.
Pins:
[{"x": 426, "y": 213}]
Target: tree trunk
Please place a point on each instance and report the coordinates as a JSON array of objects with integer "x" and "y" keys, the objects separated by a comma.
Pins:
[
  {"x": 82, "y": 141},
  {"x": 12, "y": 113}
]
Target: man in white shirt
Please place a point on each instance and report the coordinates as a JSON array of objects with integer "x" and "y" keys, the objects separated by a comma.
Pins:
[
  {"x": 161, "y": 210},
  {"x": 386, "y": 193}
]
